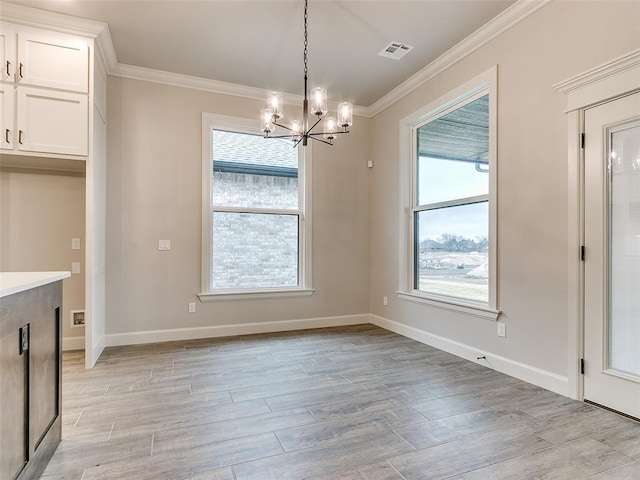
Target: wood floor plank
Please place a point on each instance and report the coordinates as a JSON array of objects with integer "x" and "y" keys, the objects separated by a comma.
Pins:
[
  {"x": 321, "y": 433},
  {"x": 312, "y": 462},
  {"x": 577, "y": 459},
  {"x": 430, "y": 433},
  {"x": 468, "y": 453},
  {"x": 624, "y": 438},
  {"x": 630, "y": 471}
]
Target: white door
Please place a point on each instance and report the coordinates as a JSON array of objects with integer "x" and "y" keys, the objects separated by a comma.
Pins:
[{"x": 612, "y": 255}]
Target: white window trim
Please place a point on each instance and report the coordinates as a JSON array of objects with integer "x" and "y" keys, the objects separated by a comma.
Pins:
[
  {"x": 212, "y": 121},
  {"x": 485, "y": 82}
]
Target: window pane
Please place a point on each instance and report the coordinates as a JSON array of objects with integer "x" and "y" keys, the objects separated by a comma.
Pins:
[
  {"x": 624, "y": 251},
  {"x": 254, "y": 250},
  {"x": 453, "y": 154},
  {"x": 249, "y": 171},
  {"x": 452, "y": 251}
]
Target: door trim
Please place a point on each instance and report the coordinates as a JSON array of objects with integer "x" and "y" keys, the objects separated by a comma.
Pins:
[{"x": 606, "y": 82}]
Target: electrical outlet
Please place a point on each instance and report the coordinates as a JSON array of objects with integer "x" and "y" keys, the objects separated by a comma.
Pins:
[
  {"x": 75, "y": 244},
  {"x": 164, "y": 245},
  {"x": 75, "y": 267},
  {"x": 192, "y": 307},
  {"x": 385, "y": 301},
  {"x": 502, "y": 329}
]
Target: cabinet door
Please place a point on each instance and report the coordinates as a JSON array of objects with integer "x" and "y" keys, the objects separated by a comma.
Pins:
[
  {"x": 7, "y": 52},
  {"x": 52, "y": 122},
  {"x": 14, "y": 381},
  {"x": 53, "y": 60},
  {"x": 6, "y": 116},
  {"x": 43, "y": 371}
]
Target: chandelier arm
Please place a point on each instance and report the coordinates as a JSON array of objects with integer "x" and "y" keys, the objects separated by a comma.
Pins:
[
  {"x": 313, "y": 126},
  {"x": 286, "y": 128},
  {"x": 326, "y": 133},
  {"x": 282, "y": 136},
  {"x": 299, "y": 140},
  {"x": 320, "y": 140}
]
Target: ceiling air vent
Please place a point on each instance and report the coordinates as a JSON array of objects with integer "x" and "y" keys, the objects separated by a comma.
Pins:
[{"x": 395, "y": 50}]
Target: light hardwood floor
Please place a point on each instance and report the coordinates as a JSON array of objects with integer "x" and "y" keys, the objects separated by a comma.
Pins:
[{"x": 352, "y": 403}]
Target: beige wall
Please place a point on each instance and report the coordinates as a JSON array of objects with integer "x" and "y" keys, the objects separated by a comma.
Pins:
[
  {"x": 40, "y": 212},
  {"x": 560, "y": 40},
  {"x": 154, "y": 192}
]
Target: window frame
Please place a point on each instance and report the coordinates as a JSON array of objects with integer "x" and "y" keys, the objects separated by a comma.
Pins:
[
  {"x": 211, "y": 122},
  {"x": 484, "y": 83}
]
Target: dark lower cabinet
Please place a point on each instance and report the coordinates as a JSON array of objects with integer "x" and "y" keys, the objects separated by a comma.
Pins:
[{"x": 30, "y": 381}]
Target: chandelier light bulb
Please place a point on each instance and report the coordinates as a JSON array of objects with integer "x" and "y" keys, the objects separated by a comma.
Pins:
[
  {"x": 275, "y": 103},
  {"x": 267, "y": 121},
  {"x": 319, "y": 101},
  {"x": 296, "y": 127},
  {"x": 345, "y": 114},
  {"x": 330, "y": 128}
]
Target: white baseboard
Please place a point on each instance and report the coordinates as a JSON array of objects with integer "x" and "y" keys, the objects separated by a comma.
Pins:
[
  {"x": 542, "y": 378},
  {"x": 72, "y": 343},
  {"x": 98, "y": 347},
  {"x": 155, "y": 336}
]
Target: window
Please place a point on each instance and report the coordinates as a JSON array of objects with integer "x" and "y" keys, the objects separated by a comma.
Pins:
[
  {"x": 449, "y": 203},
  {"x": 255, "y": 225}
]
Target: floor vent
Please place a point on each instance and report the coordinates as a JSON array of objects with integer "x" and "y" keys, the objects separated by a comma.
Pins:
[{"x": 395, "y": 50}]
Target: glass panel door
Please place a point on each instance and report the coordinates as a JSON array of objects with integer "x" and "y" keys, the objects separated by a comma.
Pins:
[{"x": 624, "y": 250}]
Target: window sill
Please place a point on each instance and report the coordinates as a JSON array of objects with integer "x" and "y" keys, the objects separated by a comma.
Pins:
[
  {"x": 231, "y": 295},
  {"x": 468, "y": 308}
]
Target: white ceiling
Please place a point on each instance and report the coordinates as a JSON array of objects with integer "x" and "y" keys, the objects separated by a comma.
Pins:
[{"x": 258, "y": 43}]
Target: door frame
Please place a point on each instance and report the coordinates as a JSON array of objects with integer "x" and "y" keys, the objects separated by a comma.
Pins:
[{"x": 609, "y": 81}]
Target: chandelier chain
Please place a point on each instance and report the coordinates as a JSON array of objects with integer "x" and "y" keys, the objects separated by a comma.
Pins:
[{"x": 306, "y": 40}]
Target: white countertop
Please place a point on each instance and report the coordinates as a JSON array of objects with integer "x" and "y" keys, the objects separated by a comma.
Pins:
[{"x": 16, "y": 282}]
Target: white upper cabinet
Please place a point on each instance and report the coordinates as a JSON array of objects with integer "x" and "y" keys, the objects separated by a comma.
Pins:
[
  {"x": 52, "y": 122},
  {"x": 45, "y": 91},
  {"x": 6, "y": 116},
  {"x": 7, "y": 52},
  {"x": 52, "y": 60}
]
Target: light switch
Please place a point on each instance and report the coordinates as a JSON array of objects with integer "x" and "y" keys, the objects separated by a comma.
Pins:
[
  {"x": 164, "y": 244},
  {"x": 75, "y": 244},
  {"x": 75, "y": 267}
]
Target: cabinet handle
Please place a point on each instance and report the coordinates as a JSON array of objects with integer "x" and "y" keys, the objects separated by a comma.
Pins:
[
  {"x": 20, "y": 70},
  {"x": 20, "y": 137},
  {"x": 6, "y": 135},
  {"x": 8, "y": 71},
  {"x": 23, "y": 334}
]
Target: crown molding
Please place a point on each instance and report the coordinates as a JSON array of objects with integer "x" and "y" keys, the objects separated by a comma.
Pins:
[
  {"x": 100, "y": 32},
  {"x": 58, "y": 22},
  {"x": 608, "y": 80},
  {"x": 505, "y": 20},
  {"x": 213, "y": 86}
]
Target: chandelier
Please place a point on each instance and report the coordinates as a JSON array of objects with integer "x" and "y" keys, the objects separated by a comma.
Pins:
[{"x": 302, "y": 131}]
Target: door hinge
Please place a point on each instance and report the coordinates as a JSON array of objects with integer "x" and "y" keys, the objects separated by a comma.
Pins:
[
  {"x": 582, "y": 140},
  {"x": 582, "y": 253},
  {"x": 582, "y": 366}
]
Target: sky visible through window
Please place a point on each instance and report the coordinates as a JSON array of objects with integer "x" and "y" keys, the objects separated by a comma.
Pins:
[{"x": 469, "y": 222}]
